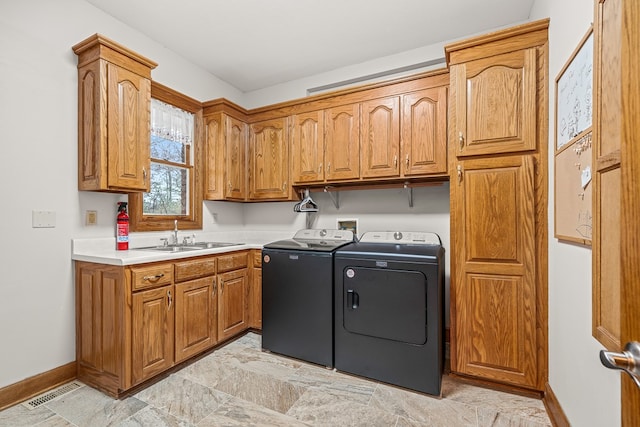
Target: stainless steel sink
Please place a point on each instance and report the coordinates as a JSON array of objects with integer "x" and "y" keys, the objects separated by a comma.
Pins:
[
  {"x": 170, "y": 248},
  {"x": 189, "y": 247},
  {"x": 210, "y": 245}
]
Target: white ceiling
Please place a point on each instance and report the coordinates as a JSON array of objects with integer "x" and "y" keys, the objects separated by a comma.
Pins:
[{"x": 253, "y": 44}]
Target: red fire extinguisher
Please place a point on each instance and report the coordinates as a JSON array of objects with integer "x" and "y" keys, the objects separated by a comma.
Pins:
[{"x": 122, "y": 227}]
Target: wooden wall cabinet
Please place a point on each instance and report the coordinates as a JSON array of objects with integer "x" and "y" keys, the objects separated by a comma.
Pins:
[
  {"x": 114, "y": 96},
  {"x": 235, "y": 170},
  {"x": 377, "y": 134},
  {"x": 342, "y": 142},
  {"x": 496, "y": 103},
  {"x": 226, "y": 157},
  {"x": 268, "y": 164},
  {"x": 214, "y": 152},
  {"x": 424, "y": 132},
  {"x": 307, "y": 148},
  {"x": 400, "y": 136},
  {"x": 498, "y": 135},
  {"x": 380, "y": 138},
  {"x": 135, "y": 322}
]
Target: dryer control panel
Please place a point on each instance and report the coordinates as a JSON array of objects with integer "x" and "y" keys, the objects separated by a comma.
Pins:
[{"x": 401, "y": 237}]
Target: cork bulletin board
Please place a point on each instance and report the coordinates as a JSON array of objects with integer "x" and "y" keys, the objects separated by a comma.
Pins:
[{"x": 573, "y": 120}]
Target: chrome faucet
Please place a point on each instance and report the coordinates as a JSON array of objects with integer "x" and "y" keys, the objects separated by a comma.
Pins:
[{"x": 175, "y": 232}]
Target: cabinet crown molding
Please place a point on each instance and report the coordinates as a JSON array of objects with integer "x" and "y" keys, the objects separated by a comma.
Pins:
[
  {"x": 98, "y": 46},
  {"x": 501, "y": 41}
]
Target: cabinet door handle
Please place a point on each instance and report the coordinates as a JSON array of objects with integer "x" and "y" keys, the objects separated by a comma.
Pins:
[
  {"x": 406, "y": 160},
  {"x": 461, "y": 139},
  {"x": 144, "y": 174},
  {"x": 284, "y": 185},
  {"x": 328, "y": 167},
  {"x": 459, "y": 169},
  {"x": 170, "y": 298},
  {"x": 215, "y": 287},
  {"x": 395, "y": 160},
  {"x": 319, "y": 168},
  {"x": 153, "y": 278}
]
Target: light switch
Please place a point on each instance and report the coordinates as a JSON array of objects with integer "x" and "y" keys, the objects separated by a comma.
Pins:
[{"x": 43, "y": 219}]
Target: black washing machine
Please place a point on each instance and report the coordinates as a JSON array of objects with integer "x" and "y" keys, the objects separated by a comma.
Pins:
[
  {"x": 297, "y": 294},
  {"x": 389, "y": 314}
]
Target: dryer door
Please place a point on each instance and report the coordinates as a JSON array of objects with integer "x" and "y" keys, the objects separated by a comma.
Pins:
[{"x": 384, "y": 303}]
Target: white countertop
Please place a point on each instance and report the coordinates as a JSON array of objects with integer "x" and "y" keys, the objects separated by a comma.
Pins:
[{"x": 102, "y": 250}]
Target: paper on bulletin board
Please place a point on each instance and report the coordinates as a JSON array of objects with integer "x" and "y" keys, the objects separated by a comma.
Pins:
[{"x": 573, "y": 188}]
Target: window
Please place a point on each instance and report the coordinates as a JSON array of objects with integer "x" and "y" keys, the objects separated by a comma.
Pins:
[{"x": 175, "y": 151}]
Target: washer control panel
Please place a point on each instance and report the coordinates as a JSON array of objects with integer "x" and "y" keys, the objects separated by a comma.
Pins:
[
  {"x": 324, "y": 234},
  {"x": 401, "y": 237}
]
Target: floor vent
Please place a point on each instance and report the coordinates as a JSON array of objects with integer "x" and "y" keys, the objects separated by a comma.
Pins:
[{"x": 52, "y": 394}]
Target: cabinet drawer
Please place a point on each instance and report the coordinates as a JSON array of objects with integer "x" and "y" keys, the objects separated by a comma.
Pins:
[
  {"x": 151, "y": 276},
  {"x": 232, "y": 261},
  {"x": 257, "y": 259},
  {"x": 193, "y": 269}
]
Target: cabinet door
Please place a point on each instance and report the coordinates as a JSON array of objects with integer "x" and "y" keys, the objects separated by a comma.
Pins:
[
  {"x": 269, "y": 160},
  {"x": 196, "y": 316},
  {"x": 214, "y": 157},
  {"x": 424, "y": 132},
  {"x": 380, "y": 138},
  {"x": 307, "y": 147},
  {"x": 493, "y": 293},
  {"x": 235, "y": 166},
  {"x": 152, "y": 332},
  {"x": 99, "y": 317},
  {"x": 255, "y": 298},
  {"x": 129, "y": 98},
  {"x": 494, "y": 104},
  {"x": 232, "y": 303},
  {"x": 342, "y": 142}
]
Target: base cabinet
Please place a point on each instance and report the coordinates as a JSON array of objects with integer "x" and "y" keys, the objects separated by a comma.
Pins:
[
  {"x": 152, "y": 332},
  {"x": 232, "y": 304},
  {"x": 255, "y": 289},
  {"x": 135, "y": 322},
  {"x": 196, "y": 317}
]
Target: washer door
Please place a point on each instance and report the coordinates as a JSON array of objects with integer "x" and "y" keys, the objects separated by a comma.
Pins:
[{"x": 382, "y": 303}]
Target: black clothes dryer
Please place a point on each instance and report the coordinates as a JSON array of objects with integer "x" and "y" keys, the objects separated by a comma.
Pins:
[
  {"x": 297, "y": 294},
  {"x": 389, "y": 314}
]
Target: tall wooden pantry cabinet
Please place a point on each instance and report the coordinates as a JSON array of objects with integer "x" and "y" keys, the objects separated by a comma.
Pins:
[{"x": 498, "y": 135}]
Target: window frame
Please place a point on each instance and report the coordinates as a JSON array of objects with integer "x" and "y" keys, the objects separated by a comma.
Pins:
[{"x": 193, "y": 221}]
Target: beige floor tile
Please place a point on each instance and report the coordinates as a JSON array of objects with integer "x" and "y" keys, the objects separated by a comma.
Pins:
[
  {"x": 183, "y": 398},
  {"x": 88, "y": 407},
  {"x": 241, "y": 385}
]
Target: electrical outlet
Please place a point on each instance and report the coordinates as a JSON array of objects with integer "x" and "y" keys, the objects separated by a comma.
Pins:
[{"x": 91, "y": 218}]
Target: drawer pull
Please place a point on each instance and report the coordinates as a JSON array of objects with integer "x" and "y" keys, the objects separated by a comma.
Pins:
[{"x": 154, "y": 278}]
